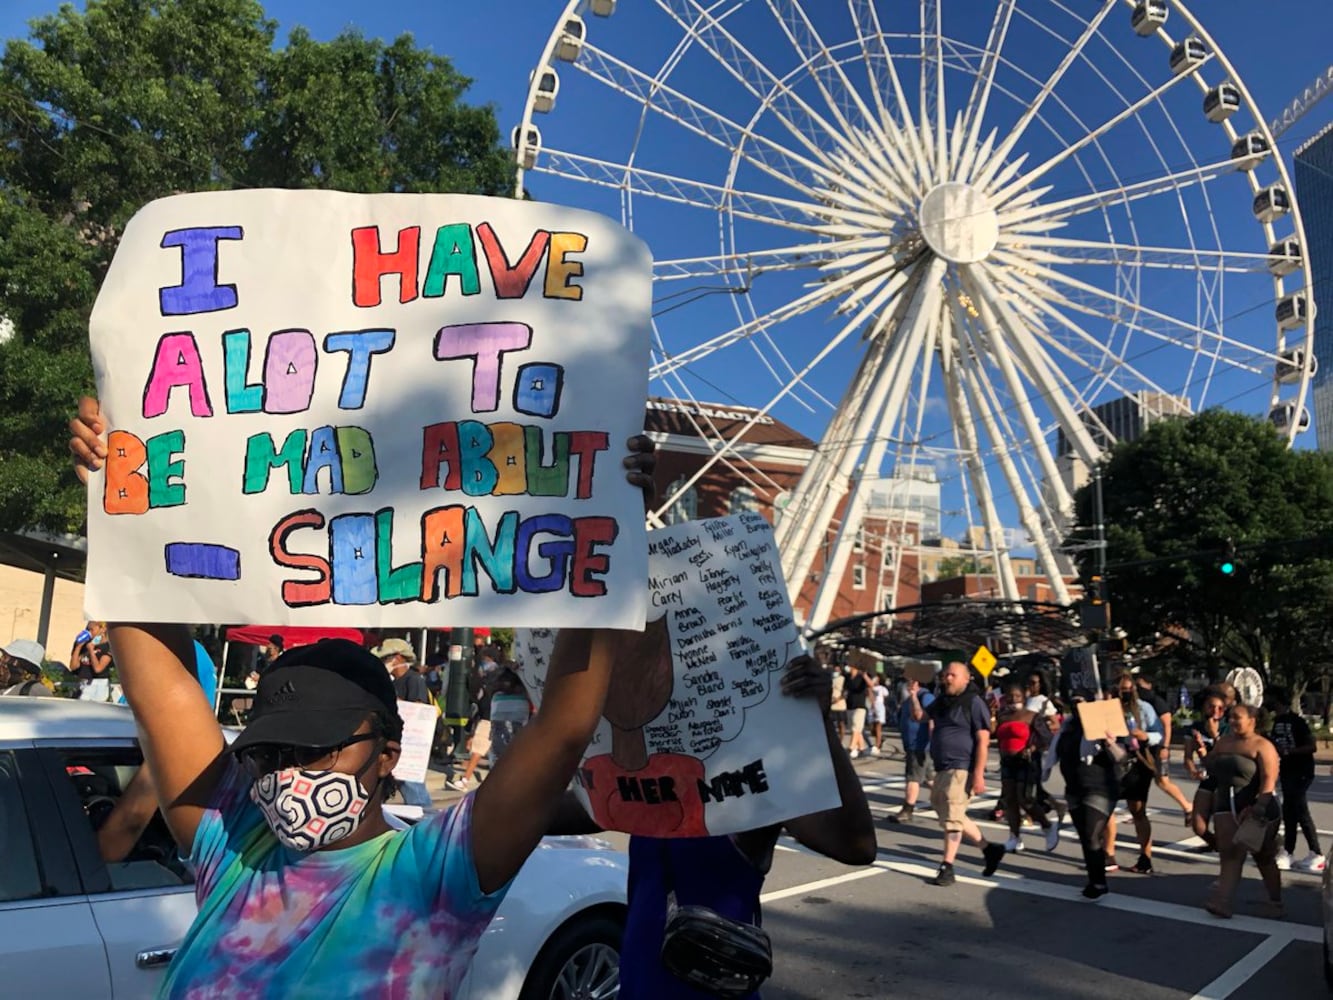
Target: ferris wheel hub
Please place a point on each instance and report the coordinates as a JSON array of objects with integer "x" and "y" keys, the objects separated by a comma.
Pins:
[{"x": 958, "y": 222}]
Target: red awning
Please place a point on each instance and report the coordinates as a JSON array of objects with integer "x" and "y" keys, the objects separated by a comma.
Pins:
[{"x": 292, "y": 635}]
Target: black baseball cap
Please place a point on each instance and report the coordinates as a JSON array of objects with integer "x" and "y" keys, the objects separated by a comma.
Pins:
[{"x": 317, "y": 696}]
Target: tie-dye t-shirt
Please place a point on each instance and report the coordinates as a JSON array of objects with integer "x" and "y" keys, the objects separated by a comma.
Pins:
[{"x": 399, "y": 916}]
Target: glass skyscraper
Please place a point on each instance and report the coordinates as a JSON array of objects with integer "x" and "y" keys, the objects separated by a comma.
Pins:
[{"x": 1314, "y": 194}]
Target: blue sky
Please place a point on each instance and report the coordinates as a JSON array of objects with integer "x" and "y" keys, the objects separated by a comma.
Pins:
[{"x": 1277, "y": 48}]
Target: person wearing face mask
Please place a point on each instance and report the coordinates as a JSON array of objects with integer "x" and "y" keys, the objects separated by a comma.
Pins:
[
  {"x": 1145, "y": 733},
  {"x": 304, "y": 889}
]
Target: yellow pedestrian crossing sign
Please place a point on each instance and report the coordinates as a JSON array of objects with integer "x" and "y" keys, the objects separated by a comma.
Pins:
[{"x": 984, "y": 660}]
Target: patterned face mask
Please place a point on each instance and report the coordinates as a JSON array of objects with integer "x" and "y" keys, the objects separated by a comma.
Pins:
[{"x": 309, "y": 810}]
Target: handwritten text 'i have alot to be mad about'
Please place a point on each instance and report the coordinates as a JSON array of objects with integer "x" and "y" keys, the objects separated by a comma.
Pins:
[{"x": 472, "y": 457}]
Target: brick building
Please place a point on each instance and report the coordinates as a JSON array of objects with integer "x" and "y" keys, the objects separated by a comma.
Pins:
[{"x": 759, "y": 474}]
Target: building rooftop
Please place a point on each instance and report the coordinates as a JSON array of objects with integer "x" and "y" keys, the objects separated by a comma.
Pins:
[{"x": 712, "y": 421}]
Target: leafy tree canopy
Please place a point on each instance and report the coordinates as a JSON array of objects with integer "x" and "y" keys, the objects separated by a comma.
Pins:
[
  {"x": 105, "y": 109},
  {"x": 1175, "y": 498}
]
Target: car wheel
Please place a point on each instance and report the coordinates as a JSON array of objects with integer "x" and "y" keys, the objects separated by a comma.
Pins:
[{"x": 580, "y": 962}]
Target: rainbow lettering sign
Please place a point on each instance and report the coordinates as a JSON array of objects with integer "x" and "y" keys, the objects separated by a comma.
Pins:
[{"x": 402, "y": 410}]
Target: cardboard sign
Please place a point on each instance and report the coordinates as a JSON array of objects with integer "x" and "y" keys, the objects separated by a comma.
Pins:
[
  {"x": 418, "y": 736},
  {"x": 921, "y": 671},
  {"x": 697, "y": 737},
  {"x": 1102, "y": 717},
  {"x": 395, "y": 410}
]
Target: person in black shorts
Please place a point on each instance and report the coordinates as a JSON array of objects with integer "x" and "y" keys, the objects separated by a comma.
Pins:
[
  {"x": 1198, "y": 745},
  {"x": 1162, "y": 752}
]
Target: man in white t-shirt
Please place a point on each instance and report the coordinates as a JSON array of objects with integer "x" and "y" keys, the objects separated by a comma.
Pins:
[{"x": 879, "y": 713}]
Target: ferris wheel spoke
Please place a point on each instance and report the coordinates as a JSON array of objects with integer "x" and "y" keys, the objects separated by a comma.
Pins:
[
  {"x": 753, "y": 75},
  {"x": 960, "y": 414},
  {"x": 871, "y": 310},
  {"x": 1028, "y": 352},
  {"x": 931, "y": 85},
  {"x": 884, "y": 401},
  {"x": 997, "y": 339},
  {"x": 1033, "y": 108},
  {"x": 804, "y": 216},
  {"x": 1057, "y": 250},
  {"x": 1061, "y": 211},
  {"x": 1106, "y": 362},
  {"x": 751, "y": 263},
  {"x": 984, "y": 81},
  {"x": 866, "y": 17},
  {"x": 807, "y": 43},
  {"x": 1090, "y": 137},
  {"x": 1253, "y": 359},
  {"x": 789, "y": 310},
  {"x": 883, "y": 278},
  {"x": 978, "y": 390},
  {"x": 764, "y": 153}
]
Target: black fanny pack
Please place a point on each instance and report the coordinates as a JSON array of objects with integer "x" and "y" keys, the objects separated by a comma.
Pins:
[
  {"x": 714, "y": 955},
  {"x": 711, "y": 953}
]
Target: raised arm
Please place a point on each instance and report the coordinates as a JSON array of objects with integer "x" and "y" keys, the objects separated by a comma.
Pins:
[
  {"x": 517, "y": 803},
  {"x": 521, "y": 798},
  {"x": 181, "y": 740}
]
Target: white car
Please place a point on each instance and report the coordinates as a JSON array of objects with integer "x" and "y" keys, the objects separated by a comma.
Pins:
[{"x": 72, "y": 925}]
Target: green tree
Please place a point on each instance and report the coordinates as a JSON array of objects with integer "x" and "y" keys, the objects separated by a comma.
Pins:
[
  {"x": 106, "y": 109},
  {"x": 960, "y": 566},
  {"x": 1174, "y": 499}
]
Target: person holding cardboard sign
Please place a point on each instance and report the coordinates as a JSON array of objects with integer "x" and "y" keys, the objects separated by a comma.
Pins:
[
  {"x": 297, "y": 865},
  {"x": 1085, "y": 750}
]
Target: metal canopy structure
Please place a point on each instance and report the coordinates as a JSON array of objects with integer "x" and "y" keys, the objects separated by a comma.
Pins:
[
  {"x": 949, "y": 238},
  {"x": 1010, "y": 629}
]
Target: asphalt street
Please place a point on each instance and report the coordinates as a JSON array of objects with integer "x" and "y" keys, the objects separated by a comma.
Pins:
[{"x": 1026, "y": 933}]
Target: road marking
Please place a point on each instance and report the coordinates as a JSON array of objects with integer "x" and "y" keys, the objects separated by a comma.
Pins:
[
  {"x": 1244, "y": 970},
  {"x": 823, "y": 883},
  {"x": 1128, "y": 904},
  {"x": 1028, "y": 885},
  {"x": 1182, "y": 850}
]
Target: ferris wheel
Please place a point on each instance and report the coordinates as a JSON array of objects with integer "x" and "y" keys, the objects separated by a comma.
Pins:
[{"x": 941, "y": 241}]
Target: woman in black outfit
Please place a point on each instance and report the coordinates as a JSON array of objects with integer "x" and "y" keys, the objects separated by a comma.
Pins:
[
  {"x": 1295, "y": 750},
  {"x": 1092, "y": 787}
]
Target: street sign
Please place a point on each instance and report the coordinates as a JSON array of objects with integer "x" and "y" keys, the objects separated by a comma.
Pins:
[{"x": 984, "y": 660}]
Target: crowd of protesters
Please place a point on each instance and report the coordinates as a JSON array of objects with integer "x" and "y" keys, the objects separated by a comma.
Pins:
[{"x": 1254, "y": 767}]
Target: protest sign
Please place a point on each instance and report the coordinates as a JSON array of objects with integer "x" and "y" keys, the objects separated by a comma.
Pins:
[
  {"x": 921, "y": 671},
  {"x": 418, "y": 736},
  {"x": 1102, "y": 718},
  {"x": 391, "y": 409},
  {"x": 697, "y": 737}
]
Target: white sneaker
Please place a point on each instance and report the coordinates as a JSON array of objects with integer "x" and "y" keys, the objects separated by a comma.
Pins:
[
  {"x": 1310, "y": 863},
  {"x": 456, "y": 785},
  {"x": 1052, "y": 837},
  {"x": 1013, "y": 845},
  {"x": 854, "y": 754},
  {"x": 874, "y": 751},
  {"x": 1283, "y": 861}
]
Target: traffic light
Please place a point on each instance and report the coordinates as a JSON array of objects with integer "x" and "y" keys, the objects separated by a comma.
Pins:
[
  {"x": 1093, "y": 592},
  {"x": 1227, "y": 566}
]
